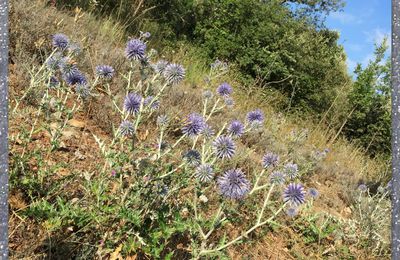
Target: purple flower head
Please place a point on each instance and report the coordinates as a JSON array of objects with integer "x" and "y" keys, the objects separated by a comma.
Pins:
[
  {"x": 224, "y": 147},
  {"x": 224, "y": 89},
  {"x": 277, "y": 178},
  {"x": 60, "y": 41},
  {"x": 363, "y": 187},
  {"x": 229, "y": 102},
  {"x": 291, "y": 170},
  {"x": 126, "y": 128},
  {"x": 154, "y": 105},
  {"x": 146, "y": 35},
  {"x": 75, "y": 77},
  {"x": 233, "y": 184},
  {"x": 207, "y": 132},
  {"x": 313, "y": 193},
  {"x": 105, "y": 71},
  {"x": 294, "y": 194},
  {"x": 256, "y": 115},
  {"x": 74, "y": 49},
  {"x": 207, "y": 94},
  {"x": 160, "y": 66},
  {"x": 113, "y": 173},
  {"x": 204, "y": 173},
  {"x": 291, "y": 212},
  {"x": 236, "y": 128},
  {"x": 135, "y": 49},
  {"x": 132, "y": 103},
  {"x": 192, "y": 157},
  {"x": 82, "y": 90},
  {"x": 56, "y": 61},
  {"x": 270, "y": 159},
  {"x": 174, "y": 73},
  {"x": 162, "y": 121},
  {"x": 194, "y": 125}
]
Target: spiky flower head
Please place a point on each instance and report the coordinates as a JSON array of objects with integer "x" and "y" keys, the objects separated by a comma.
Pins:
[
  {"x": 204, "y": 172},
  {"x": 291, "y": 170},
  {"x": 294, "y": 194},
  {"x": 233, "y": 184},
  {"x": 194, "y": 125},
  {"x": 236, "y": 128},
  {"x": 292, "y": 211},
  {"x": 363, "y": 187},
  {"x": 56, "y": 61},
  {"x": 75, "y": 77},
  {"x": 160, "y": 66},
  {"x": 255, "y": 116},
  {"x": 224, "y": 89},
  {"x": 60, "y": 41},
  {"x": 162, "y": 121},
  {"x": 229, "y": 102},
  {"x": 132, "y": 103},
  {"x": 277, "y": 178},
  {"x": 174, "y": 73},
  {"x": 270, "y": 159},
  {"x": 207, "y": 94},
  {"x": 82, "y": 90},
  {"x": 126, "y": 128},
  {"x": 313, "y": 193},
  {"x": 192, "y": 157},
  {"x": 153, "y": 104},
  {"x": 74, "y": 49},
  {"x": 208, "y": 132},
  {"x": 105, "y": 71},
  {"x": 219, "y": 65},
  {"x": 135, "y": 49},
  {"x": 146, "y": 35},
  {"x": 224, "y": 147}
]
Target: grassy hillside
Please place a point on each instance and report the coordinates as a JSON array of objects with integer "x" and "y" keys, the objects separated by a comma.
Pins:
[{"x": 79, "y": 190}]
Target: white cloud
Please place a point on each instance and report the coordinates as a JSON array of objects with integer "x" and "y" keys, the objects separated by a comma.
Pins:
[
  {"x": 351, "y": 65},
  {"x": 377, "y": 35},
  {"x": 346, "y": 18},
  {"x": 354, "y": 47}
]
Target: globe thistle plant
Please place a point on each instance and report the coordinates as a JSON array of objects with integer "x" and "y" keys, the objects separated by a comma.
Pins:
[
  {"x": 75, "y": 77},
  {"x": 313, "y": 193},
  {"x": 204, "y": 173},
  {"x": 53, "y": 82},
  {"x": 292, "y": 212},
  {"x": 60, "y": 41},
  {"x": 105, "y": 71},
  {"x": 162, "y": 121},
  {"x": 135, "y": 49},
  {"x": 291, "y": 170},
  {"x": 270, "y": 160},
  {"x": 277, "y": 178},
  {"x": 160, "y": 66},
  {"x": 126, "y": 128},
  {"x": 229, "y": 102},
  {"x": 194, "y": 125},
  {"x": 236, "y": 128},
  {"x": 362, "y": 188},
  {"x": 74, "y": 49},
  {"x": 153, "y": 105},
  {"x": 207, "y": 94},
  {"x": 192, "y": 157},
  {"x": 132, "y": 103},
  {"x": 255, "y": 116},
  {"x": 294, "y": 194},
  {"x": 174, "y": 73},
  {"x": 224, "y": 147},
  {"x": 56, "y": 61},
  {"x": 82, "y": 90},
  {"x": 233, "y": 184},
  {"x": 224, "y": 89},
  {"x": 208, "y": 132}
]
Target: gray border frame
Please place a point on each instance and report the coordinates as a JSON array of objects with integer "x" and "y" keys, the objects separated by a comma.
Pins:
[
  {"x": 3, "y": 129},
  {"x": 395, "y": 129}
]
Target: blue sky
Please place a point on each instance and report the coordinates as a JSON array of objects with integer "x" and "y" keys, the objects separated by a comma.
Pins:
[{"x": 362, "y": 23}]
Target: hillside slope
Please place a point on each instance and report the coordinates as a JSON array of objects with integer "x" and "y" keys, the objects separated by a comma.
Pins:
[{"x": 55, "y": 183}]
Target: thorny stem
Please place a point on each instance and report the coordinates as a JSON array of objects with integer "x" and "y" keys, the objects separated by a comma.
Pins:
[
  {"x": 172, "y": 171},
  {"x": 213, "y": 109},
  {"x": 160, "y": 143},
  {"x": 256, "y": 187}
]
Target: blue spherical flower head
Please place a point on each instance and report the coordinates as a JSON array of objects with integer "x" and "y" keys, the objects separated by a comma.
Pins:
[
  {"x": 270, "y": 160},
  {"x": 153, "y": 105},
  {"x": 192, "y": 157},
  {"x": 126, "y": 128},
  {"x": 54, "y": 82},
  {"x": 313, "y": 193},
  {"x": 236, "y": 128},
  {"x": 255, "y": 116},
  {"x": 56, "y": 61},
  {"x": 292, "y": 212},
  {"x": 75, "y": 77},
  {"x": 207, "y": 94},
  {"x": 60, "y": 41},
  {"x": 174, "y": 73},
  {"x": 135, "y": 50},
  {"x": 160, "y": 66},
  {"x": 82, "y": 90},
  {"x": 204, "y": 173},
  {"x": 294, "y": 194},
  {"x": 194, "y": 125},
  {"x": 146, "y": 35},
  {"x": 224, "y": 89},
  {"x": 224, "y": 147},
  {"x": 363, "y": 187},
  {"x": 277, "y": 178},
  {"x": 291, "y": 170},
  {"x": 162, "y": 121},
  {"x": 229, "y": 102},
  {"x": 132, "y": 103},
  {"x": 233, "y": 184},
  {"x": 207, "y": 132},
  {"x": 105, "y": 71}
]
